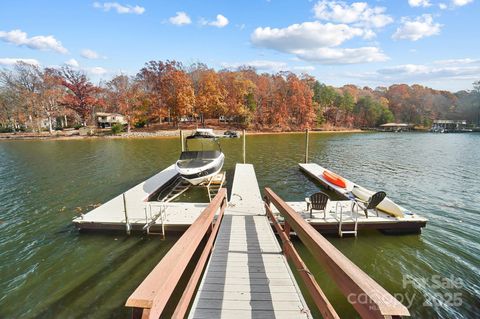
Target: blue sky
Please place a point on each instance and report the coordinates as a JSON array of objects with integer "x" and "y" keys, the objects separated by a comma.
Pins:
[{"x": 430, "y": 42}]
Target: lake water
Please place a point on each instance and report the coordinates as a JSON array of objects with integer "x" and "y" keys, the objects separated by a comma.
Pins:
[{"x": 49, "y": 270}]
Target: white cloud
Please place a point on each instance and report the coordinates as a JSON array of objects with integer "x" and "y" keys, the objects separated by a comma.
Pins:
[
  {"x": 181, "y": 18},
  {"x": 39, "y": 42},
  {"x": 417, "y": 28},
  {"x": 456, "y": 61},
  {"x": 220, "y": 22},
  {"x": 303, "y": 68},
  {"x": 13, "y": 61},
  {"x": 90, "y": 54},
  {"x": 73, "y": 63},
  {"x": 357, "y": 13},
  {"x": 261, "y": 65},
  {"x": 270, "y": 66},
  {"x": 121, "y": 9},
  {"x": 442, "y": 6},
  {"x": 307, "y": 35},
  {"x": 343, "y": 56},
  {"x": 419, "y": 3},
  {"x": 447, "y": 72},
  {"x": 315, "y": 42},
  {"x": 97, "y": 70},
  {"x": 461, "y": 3}
]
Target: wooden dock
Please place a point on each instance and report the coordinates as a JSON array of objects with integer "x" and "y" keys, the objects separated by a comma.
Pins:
[
  {"x": 242, "y": 271},
  {"x": 247, "y": 275}
]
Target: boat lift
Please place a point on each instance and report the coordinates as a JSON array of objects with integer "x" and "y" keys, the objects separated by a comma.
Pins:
[{"x": 155, "y": 212}]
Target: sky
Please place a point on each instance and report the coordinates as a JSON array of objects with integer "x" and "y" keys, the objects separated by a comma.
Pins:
[{"x": 375, "y": 43}]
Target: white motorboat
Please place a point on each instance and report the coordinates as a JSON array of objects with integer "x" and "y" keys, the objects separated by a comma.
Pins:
[{"x": 198, "y": 166}]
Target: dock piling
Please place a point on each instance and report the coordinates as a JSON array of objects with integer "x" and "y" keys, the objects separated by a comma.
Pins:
[
  {"x": 306, "y": 146},
  {"x": 182, "y": 142},
  {"x": 127, "y": 223},
  {"x": 244, "y": 147}
]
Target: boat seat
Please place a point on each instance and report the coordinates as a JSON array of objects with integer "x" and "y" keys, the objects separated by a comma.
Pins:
[{"x": 317, "y": 201}]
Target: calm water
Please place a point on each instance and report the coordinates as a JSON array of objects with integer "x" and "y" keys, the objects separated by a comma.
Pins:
[{"x": 49, "y": 270}]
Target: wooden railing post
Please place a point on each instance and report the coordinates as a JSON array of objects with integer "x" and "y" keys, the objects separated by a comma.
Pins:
[
  {"x": 318, "y": 296},
  {"x": 154, "y": 292},
  {"x": 368, "y": 298}
]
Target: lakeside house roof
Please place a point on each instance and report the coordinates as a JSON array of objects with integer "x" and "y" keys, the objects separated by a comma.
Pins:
[{"x": 107, "y": 114}]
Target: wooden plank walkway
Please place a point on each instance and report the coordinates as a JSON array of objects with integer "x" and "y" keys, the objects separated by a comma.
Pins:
[{"x": 247, "y": 275}]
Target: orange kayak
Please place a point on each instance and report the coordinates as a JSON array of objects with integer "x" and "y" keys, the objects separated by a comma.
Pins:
[{"x": 334, "y": 179}]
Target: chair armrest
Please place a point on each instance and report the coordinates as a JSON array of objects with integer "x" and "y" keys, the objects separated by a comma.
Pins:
[{"x": 361, "y": 201}]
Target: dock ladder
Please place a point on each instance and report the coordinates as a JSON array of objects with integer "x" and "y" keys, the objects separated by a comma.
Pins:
[
  {"x": 152, "y": 218},
  {"x": 215, "y": 184},
  {"x": 341, "y": 219}
]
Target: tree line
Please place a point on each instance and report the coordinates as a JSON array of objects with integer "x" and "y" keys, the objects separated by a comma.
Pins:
[{"x": 32, "y": 98}]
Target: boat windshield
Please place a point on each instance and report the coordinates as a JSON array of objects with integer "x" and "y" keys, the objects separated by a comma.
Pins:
[{"x": 194, "y": 159}]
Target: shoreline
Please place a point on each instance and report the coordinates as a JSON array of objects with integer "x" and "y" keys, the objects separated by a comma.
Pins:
[{"x": 157, "y": 134}]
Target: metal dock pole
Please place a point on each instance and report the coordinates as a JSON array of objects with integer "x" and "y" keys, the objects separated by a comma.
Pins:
[
  {"x": 306, "y": 146},
  {"x": 182, "y": 143},
  {"x": 127, "y": 223},
  {"x": 244, "y": 148}
]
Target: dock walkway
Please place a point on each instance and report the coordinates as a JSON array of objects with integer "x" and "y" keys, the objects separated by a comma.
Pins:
[{"x": 247, "y": 275}]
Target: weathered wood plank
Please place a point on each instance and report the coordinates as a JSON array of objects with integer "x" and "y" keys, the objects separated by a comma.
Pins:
[
  {"x": 248, "y": 305},
  {"x": 249, "y": 296},
  {"x": 247, "y": 314},
  {"x": 246, "y": 288},
  {"x": 351, "y": 280}
]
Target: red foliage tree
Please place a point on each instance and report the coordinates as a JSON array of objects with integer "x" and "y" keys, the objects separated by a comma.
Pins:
[{"x": 81, "y": 96}]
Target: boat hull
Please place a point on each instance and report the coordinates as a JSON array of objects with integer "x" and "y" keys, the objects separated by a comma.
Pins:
[{"x": 198, "y": 175}]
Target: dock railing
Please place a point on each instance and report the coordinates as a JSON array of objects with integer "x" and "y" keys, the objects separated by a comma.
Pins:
[
  {"x": 152, "y": 295},
  {"x": 368, "y": 298}
]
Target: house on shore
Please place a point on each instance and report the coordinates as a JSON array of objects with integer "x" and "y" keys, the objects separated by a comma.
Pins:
[{"x": 105, "y": 120}]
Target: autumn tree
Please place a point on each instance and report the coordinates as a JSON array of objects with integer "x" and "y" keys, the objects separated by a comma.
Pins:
[
  {"x": 124, "y": 95},
  {"x": 50, "y": 95},
  {"x": 81, "y": 95},
  {"x": 237, "y": 90},
  {"x": 169, "y": 86}
]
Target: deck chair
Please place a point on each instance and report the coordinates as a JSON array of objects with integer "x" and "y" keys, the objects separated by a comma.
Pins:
[
  {"x": 317, "y": 201},
  {"x": 372, "y": 202}
]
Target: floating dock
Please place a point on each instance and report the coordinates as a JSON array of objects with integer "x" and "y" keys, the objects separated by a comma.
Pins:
[
  {"x": 247, "y": 275},
  {"x": 133, "y": 209},
  {"x": 409, "y": 223},
  {"x": 137, "y": 210}
]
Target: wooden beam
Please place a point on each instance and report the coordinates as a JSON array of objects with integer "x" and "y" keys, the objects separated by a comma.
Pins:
[
  {"x": 368, "y": 298},
  {"x": 155, "y": 290},
  {"x": 189, "y": 291}
]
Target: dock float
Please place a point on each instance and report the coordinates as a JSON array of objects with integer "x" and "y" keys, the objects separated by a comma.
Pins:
[
  {"x": 133, "y": 209},
  {"x": 328, "y": 223}
]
